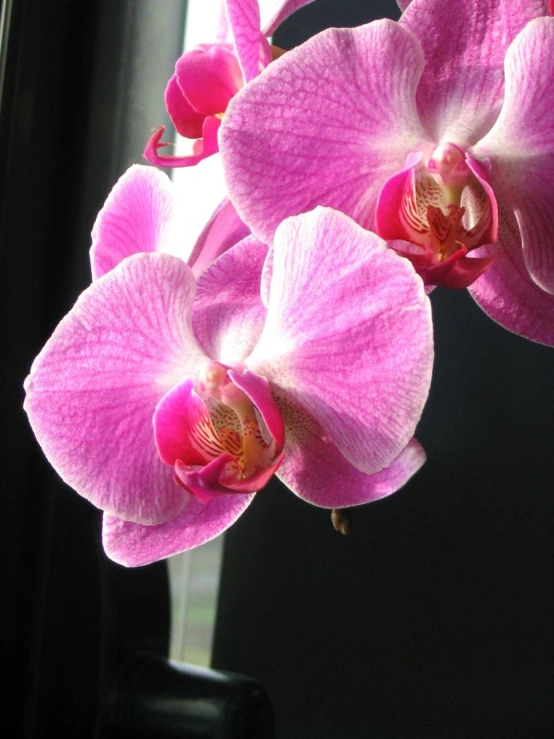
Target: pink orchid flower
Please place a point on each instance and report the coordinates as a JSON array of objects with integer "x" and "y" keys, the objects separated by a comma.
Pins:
[
  {"x": 142, "y": 215},
  {"x": 167, "y": 402},
  {"x": 439, "y": 138},
  {"x": 209, "y": 76}
]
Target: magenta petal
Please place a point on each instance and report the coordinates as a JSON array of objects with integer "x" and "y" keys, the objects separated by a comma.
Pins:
[
  {"x": 133, "y": 545},
  {"x": 315, "y": 470},
  {"x": 204, "y": 482},
  {"x": 388, "y": 223},
  {"x": 228, "y": 314},
  {"x": 521, "y": 146},
  {"x": 202, "y": 148},
  {"x": 341, "y": 117},
  {"x": 93, "y": 389},
  {"x": 509, "y": 296},
  {"x": 212, "y": 481},
  {"x": 183, "y": 429},
  {"x": 137, "y": 217},
  {"x": 223, "y": 230},
  {"x": 357, "y": 352},
  {"x": 187, "y": 121},
  {"x": 465, "y": 42},
  {"x": 209, "y": 78}
]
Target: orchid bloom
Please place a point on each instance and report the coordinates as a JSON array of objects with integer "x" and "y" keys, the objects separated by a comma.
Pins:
[
  {"x": 207, "y": 77},
  {"x": 442, "y": 140},
  {"x": 167, "y": 402},
  {"x": 143, "y": 213}
]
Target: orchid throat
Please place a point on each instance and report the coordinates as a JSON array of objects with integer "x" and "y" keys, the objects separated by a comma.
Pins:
[
  {"x": 222, "y": 432},
  {"x": 443, "y": 210}
]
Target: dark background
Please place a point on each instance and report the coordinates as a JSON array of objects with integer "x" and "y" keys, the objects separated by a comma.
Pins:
[{"x": 432, "y": 620}]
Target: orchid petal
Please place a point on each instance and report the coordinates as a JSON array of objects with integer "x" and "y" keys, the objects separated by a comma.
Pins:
[
  {"x": 403, "y": 4},
  {"x": 521, "y": 146},
  {"x": 315, "y": 470},
  {"x": 133, "y": 545},
  {"x": 265, "y": 281},
  {"x": 94, "y": 387},
  {"x": 228, "y": 315},
  {"x": 187, "y": 121},
  {"x": 342, "y": 112},
  {"x": 461, "y": 89},
  {"x": 509, "y": 296},
  {"x": 391, "y": 221},
  {"x": 356, "y": 353},
  {"x": 244, "y": 21},
  {"x": 137, "y": 217},
  {"x": 209, "y": 77},
  {"x": 223, "y": 230}
]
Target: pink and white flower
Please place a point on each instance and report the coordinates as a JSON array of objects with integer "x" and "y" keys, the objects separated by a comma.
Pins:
[
  {"x": 143, "y": 213},
  {"x": 167, "y": 402},
  {"x": 436, "y": 133},
  {"x": 207, "y": 77}
]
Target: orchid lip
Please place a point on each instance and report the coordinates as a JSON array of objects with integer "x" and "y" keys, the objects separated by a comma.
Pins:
[
  {"x": 212, "y": 418},
  {"x": 444, "y": 208}
]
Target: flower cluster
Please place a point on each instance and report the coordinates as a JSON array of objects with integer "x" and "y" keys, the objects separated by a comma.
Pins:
[{"x": 364, "y": 168}]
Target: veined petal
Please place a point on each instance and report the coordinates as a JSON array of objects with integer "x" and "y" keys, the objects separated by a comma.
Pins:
[
  {"x": 521, "y": 146},
  {"x": 461, "y": 89},
  {"x": 318, "y": 473},
  {"x": 138, "y": 216},
  {"x": 209, "y": 77},
  {"x": 250, "y": 44},
  {"x": 223, "y": 230},
  {"x": 228, "y": 314},
  {"x": 133, "y": 545},
  {"x": 356, "y": 353},
  {"x": 507, "y": 293},
  {"x": 315, "y": 470},
  {"x": 324, "y": 125},
  {"x": 93, "y": 389}
]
